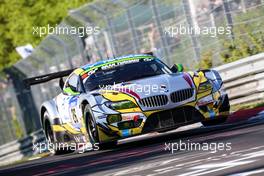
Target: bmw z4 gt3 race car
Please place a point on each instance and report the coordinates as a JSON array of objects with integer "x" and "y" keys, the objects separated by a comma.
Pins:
[{"x": 114, "y": 99}]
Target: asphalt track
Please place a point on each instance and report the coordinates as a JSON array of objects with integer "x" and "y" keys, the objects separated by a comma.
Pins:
[{"x": 153, "y": 155}]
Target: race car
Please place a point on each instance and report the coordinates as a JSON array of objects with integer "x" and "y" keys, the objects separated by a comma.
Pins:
[{"x": 118, "y": 98}]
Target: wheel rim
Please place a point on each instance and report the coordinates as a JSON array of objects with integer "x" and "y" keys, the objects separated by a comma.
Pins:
[
  {"x": 50, "y": 139},
  {"x": 50, "y": 135},
  {"x": 91, "y": 128}
]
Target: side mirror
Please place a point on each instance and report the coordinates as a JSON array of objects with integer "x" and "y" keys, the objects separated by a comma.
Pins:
[
  {"x": 177, "y": 68},
  {"x": 70, "y": 91},
  {"x": 61, "y": 83}
]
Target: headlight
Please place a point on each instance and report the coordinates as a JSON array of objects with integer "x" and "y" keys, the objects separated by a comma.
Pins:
[
  {"x": 114, "y": 118},
  {"x": 203, "y": 87},
  {"x": 121, "y": 105}
]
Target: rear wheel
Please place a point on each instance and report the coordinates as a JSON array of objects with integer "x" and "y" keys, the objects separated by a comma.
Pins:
[
  {"x": 50, "y": 137},
  {"x": 52, "y": 143}
]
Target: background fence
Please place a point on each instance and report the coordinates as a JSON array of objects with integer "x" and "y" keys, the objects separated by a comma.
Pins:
[{"x": 127, "y": 27}]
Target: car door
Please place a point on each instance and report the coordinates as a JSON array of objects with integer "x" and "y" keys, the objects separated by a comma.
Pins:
[{"x": 68, "y": 107}]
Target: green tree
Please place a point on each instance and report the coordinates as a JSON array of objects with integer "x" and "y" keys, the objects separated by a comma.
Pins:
[
  {"x": 249, "y": 36},
  {"x": 206, "y": 60},
  {"x": 244, "y": 46},
  {"x": 18, "y": 17}
]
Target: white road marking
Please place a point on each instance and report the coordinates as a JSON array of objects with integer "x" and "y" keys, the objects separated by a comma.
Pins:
[
  {"x": 162, "y": 169},
  {"x": 199, "y": 166},
  {"x": 214, "y": 167},
  {"x": 34, "y": 158},
  {"x": 249, "y": 173},
  {"x": 153, "y": 165}
]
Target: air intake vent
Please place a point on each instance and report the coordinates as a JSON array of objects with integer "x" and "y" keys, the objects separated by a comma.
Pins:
[
  {"x": 181, "y": 95},
  {"x": 158, "y": 100}
]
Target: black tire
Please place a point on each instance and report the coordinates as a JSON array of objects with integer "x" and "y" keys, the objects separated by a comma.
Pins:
[
  {"x": 91, "y": 128},
  {"x": 213, "y": 122},
  {"x": 90, "y": 125},
  {"x": 50, "y": 137},
  {"x": 225, "y": 107}
]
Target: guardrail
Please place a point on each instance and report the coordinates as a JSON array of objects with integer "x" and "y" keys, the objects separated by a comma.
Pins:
[
  {"x": 16, "y": 150},
  {"x": 244, "y": 79}
]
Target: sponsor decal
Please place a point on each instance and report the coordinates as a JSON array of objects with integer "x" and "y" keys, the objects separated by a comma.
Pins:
[
  {"x": 116, "y": 64},
  {"x": 125, "y": 133}
]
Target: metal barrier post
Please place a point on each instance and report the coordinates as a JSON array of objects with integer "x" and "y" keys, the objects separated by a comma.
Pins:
[
  {"x": 131, "y": 26},
  {"x": 192, "y": 24},
  {"x": 158, "y": 26},
  {"x": 228, "y": 16}
]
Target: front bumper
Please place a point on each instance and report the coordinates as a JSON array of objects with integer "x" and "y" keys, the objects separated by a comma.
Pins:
[
  {"x": 150, "y": 121},
  {"x": 171, "y": 119},
  {"x": 163, "y": 120}
]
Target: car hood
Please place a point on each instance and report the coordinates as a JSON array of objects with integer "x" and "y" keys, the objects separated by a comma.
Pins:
[{"x": 155, "y": 85}]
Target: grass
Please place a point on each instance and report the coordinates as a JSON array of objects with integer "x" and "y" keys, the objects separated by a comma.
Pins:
[
  {"x": 26, "y": 158},
  {"x": 247, "y": 106}
]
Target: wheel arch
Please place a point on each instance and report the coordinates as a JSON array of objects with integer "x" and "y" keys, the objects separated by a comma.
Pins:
[
  {"x": 51, "y": 108},
  {"x": 84, "y": 103},
  {"x": 43, "y": 109}
]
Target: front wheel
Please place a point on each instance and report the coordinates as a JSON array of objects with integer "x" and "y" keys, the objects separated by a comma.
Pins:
[
  {"x": 92, "y": 131},
  {"x": 91, "y": 126},
  {"x": 225, "y": 107}
]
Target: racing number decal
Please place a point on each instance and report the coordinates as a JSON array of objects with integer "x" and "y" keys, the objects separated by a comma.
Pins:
[
  {"x": 74, "y": 115},
  {"x": 72, "y": 109}
]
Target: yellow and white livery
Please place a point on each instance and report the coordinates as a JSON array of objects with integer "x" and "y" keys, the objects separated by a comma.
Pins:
[{"x": 131, "y": 95}]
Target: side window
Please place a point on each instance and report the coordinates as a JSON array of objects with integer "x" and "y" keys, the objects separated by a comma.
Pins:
[{"x": 72, "y": 84}]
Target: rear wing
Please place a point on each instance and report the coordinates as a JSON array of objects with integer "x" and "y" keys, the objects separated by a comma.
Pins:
[{"x": 45, "y": 78}]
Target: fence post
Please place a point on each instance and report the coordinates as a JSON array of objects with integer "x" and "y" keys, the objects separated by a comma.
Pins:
[
  {"x": 114, "y": 47},
  {"x": 110, "y": 28},
  {"x": 228, "y": 17},
  {"x": 65, "y": 49},
  {"x": 190, "y": 16},
  {"x": 132, "y": 31},
  {"x": 130, "y": 25},
  {"x": 25, "y": 100},
  {"x": 158, "y": 26},
  {"x": 243, "y": 5}
]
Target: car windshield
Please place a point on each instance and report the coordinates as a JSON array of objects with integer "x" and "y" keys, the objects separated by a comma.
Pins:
[{"x": 124, "y": 73}]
